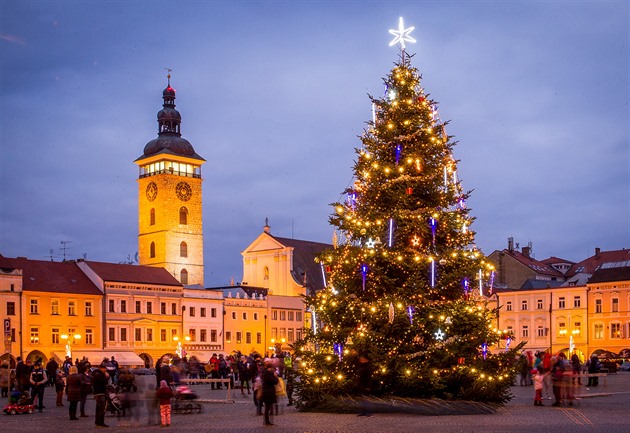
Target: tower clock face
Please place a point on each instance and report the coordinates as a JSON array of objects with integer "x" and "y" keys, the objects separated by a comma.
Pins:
[
  {"x": 152, "y": 191},
  {"x": 183, "y": 191}
]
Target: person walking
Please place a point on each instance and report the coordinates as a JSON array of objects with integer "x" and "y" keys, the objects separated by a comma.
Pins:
[
  {"x": 60, "y": 386},
  {"x": 86, "y": 389},
  {"x": 5, "y": 378},
  {"x": 73, "y": 391},
  {"x": 51, "y": 370},
  {"x": 268, "y": 396},
  {"x": 164, "y": 394},
  {"x": 538, "y": 387},
  {"x": 38, "y": 380},
  {"x": 99, "y": 389}
]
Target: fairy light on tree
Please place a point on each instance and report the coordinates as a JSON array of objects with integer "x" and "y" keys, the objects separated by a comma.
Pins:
[{"x": 406, "y": 303}]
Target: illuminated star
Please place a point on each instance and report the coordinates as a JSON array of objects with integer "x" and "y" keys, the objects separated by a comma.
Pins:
[
  {"x": 401, "y": 35},
  {"x": 370, "y": 243},
  {"x": 415, "y": 241},
  {"x": 439, "y": 335}
]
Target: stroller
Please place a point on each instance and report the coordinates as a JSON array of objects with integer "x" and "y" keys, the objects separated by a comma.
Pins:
[
  {"x": 184, "y": 401},
  {"x": 19, "y": 403},
  {"x": 114, "y": 405}
]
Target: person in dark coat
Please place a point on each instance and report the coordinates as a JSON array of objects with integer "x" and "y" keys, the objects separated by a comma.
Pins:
[
  {"x": 73, "y": 391},
  {"x": 99, "y": 389},
  {"x": 38, "y": 380},
  {"x": 51, "y": 369},
  {"x": 364, "y": 372},
  {"x": 86, "y": 388},
  {"x": 269, "y": 382}
]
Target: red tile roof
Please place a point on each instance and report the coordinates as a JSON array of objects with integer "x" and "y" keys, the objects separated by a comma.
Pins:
[
  {"x": 609, "y": 274},
  {"x": 45, "y": 276},
  {"x": 122, "y": 273},
  {"x": 539, "y": 267},
  {"x": 590, "y": 265}
]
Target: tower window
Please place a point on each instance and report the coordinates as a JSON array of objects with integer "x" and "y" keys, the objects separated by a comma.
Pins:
[
  {"x": 152, "y": 217},
  {"x": 183, "y": 276},
  {"x": 152, "y": 250},
  {"x": 183, "y": 216},
  {"x": 183, "y": 249}
]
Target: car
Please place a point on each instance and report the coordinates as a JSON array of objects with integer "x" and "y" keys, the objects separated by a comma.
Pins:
[
  {"x": 15, "y": 408},
  {"x": 625, "y": 366}
]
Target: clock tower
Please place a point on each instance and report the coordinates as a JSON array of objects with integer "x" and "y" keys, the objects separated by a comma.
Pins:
[{"x": 170, "y": 233}]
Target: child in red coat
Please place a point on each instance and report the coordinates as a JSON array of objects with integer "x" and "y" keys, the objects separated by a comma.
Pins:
[{"x": 164, "y": 394}]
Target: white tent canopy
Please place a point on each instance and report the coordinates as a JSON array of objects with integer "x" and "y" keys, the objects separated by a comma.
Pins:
[{"x": 127, "y": 358}]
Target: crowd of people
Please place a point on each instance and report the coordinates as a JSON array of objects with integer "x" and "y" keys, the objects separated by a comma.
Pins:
[{"x": 556, "y": 375}]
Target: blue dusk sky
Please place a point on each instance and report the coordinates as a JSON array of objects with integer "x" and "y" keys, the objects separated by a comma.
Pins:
[{"x": 274, "y": 94}]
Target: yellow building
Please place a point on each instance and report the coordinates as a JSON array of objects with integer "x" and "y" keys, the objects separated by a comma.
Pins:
[
  {"x": 169, "y": 200},
  {"x": 60, "y": 310},
  {"x": 202, "y": 322}
]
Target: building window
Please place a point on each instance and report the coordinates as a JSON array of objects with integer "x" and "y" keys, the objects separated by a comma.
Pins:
[
  {"x": 508, "y": 306},
  {"x": 525, "y": 331},
  {"x": 34, "y": 335},
  {"x": 291, "y": 315},
  {"x": 152, "y": 250},
  {"x": 524, "y": 305},
  {"x": 10, "y": 308},
  {"x": 162, "y": 334},
  {"x": 138, "y": 332},
  {"x": 255, "y": 316},
  {"x": 138, "y": 307},
  {"x": 123, "y": 306},
  {"x": 561, "y": 302},
  {"x": 274, "y": 314},
  {"x": 298, "y": 334},
  {"x": 149, "y": 307},
  {"x": 183, "y": 276},
  {"x": 191, "y": 311},
  {"x": 111, "y": 306},
  {"x": 615, "y": 305},
  {"x": 54, "y": 307},
  {"x": 174, "y": 308},
  {"x": 228, "y": 337},
  {"x": 283, "y": 315},
  {"x": 192, "y": 333},
  {"x": 266, "y": 273},
  {"x": 213, "y": 312},
  {"x": 55, "y": 336},
  {"x": 248, "y": 338},
  {"x": 290, "y": 335},
  {"x": 202, "y": 311},
  {"x": 239, "y": 337},
  {"x": 203, "y": 335},
  {"x": 577, "y": 327},
  {"x": 539, "y": 304},
  {"x": 540, "y": 331},
  {"x": 152, "y": 217},
  {"x": 213, "y": 335},
  {"x": 34, "y": 306},
  {"x": 183, "y": 249},
  {"x": 283, "y": 333},
  {"x": 615, "y": 330},
  {"x": 598, "y": 305},
  {"x": 562, "y": 331},
  {"x": 298, "y": 316},
  {"x": 112, "y": 334},
  {"x": 244, "y": 315},
  {"x": 72, "y": 308},
  {"x": 89, "y": 336},
  {"x": 173, "y": 334},
  {"x": 577, "y": 302},
  {"x": 258, "y": 338},
  {"x": 149, "y": 332},
  {"x": 234, "y": 315},
  {"x": 183, "y": 216},
  {"x": 599, "y": 331},
  {"x": 274, "y": 333},
  {"x": 163, "y": 308},
  {"x": 88, "y": 308},
  {"x": 123, "y": 334}
]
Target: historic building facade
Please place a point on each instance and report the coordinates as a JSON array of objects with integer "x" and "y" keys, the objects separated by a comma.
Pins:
[{"x": 169, "y": 200}]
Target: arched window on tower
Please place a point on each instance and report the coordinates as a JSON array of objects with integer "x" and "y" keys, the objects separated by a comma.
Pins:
[
  {"x": 183, "y": 276},
  {"x": 152, "y": 217},
  {"x": 152, "y": 250},
  {"x": 183, "y": 249},
  {"x": 183, "y": 215}
]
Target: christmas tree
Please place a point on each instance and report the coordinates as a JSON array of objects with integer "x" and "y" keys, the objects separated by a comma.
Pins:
[{"x": 405, "y": 282}]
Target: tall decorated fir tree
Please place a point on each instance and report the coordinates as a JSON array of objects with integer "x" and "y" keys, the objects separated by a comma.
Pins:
[{"x": 404, "y": 279}]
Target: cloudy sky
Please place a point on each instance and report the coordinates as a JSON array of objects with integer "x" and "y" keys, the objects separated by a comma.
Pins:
[{"x": 274, "y": 94}]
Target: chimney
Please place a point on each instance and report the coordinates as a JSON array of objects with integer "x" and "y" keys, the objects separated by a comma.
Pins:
[
  {"x": 597, "y": 251},
  {"x": 525, "y": 251}
]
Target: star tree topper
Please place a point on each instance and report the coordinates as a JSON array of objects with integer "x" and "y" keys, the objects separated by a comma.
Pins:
[{"x": 401, "y": 35}]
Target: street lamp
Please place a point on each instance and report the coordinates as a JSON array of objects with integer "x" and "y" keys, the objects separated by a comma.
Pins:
[
  {"x": 179, "y": 350},
  {"x": 69, "y": 343},
  {"x": 277, "y": 345}
]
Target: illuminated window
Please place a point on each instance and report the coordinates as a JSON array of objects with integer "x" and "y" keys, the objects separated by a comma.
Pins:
[
  {"x": 72, "y": 308},
  {"x": 183, "y": 249},
  {"x": 228, "y": 337},
  {"x": 183, "y": 216},
  {"x": 55, "y": 336},
  {"x": 88, "y": 308},
  {"x": 89, "y": 336},
  {"x": 274, "y": 314},
  {"x": 290, "y": 335},
  {"x": 54, "y": 306},
  {"x": 192, "y": 333},
  {"x": 599, "y": 331},
  {"x": 152, "y": 217},
  {"x": 615, "y": 330},
  {"x": 274, "y": 333},
  {"x": 239, "y": 337},
  {"x": 152, "y": 250},
  {"x": 34, "y": 335},
  {"x": 34, "y": 306},
  {"x": 598, "y": 305}
]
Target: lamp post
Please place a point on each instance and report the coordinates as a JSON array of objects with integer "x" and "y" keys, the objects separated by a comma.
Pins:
[
  {"x": 276, "y": 345},
  {"x": 69, "y": 343},
  {"x": 179, "y": 350}
]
